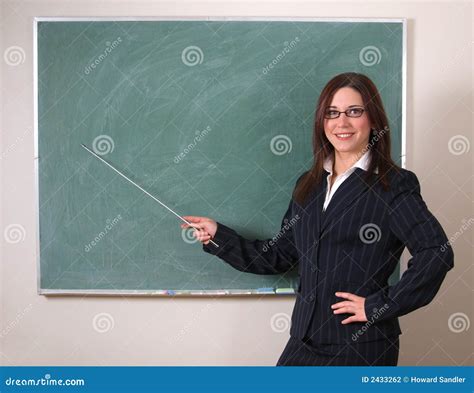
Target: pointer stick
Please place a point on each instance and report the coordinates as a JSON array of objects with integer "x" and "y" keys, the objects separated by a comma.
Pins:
[{"x": 146, "y": 192}]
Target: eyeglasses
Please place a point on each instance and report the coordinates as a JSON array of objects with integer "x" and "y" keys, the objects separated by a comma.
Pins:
[{"x": 351, "y": 112}]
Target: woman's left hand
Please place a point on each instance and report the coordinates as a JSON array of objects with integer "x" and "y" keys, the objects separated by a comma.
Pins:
[{"x": 353, "y": 305}]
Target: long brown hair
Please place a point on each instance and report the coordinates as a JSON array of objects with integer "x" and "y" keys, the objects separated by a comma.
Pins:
[{"x": 379, "y": 140}]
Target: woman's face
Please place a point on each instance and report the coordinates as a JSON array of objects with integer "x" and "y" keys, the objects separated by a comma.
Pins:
[{"x": 357, "y": 127}]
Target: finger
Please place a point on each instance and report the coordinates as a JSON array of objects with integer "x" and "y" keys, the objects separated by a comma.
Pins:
[
  {"x": 341, "y": 304},
  {"x": 346, "y": 295},
  {"x": 201, "y": 235},
  {"x": 197, "y": 233},
  {"x": 196, "y": 227},
  {"x": 351, "y": 319},
  {"x": 344, "y": 310},
  {"x": 193, "y": 218}
]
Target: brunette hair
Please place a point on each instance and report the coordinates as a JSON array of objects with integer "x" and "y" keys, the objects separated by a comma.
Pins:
[{"x": 379, "y": 140}]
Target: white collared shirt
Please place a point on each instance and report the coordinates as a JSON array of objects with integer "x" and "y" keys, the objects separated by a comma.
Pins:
[{"x": 362, "y": 163}]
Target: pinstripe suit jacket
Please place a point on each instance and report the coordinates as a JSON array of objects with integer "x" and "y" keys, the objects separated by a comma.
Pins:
[{"x": 354, "y": 246}]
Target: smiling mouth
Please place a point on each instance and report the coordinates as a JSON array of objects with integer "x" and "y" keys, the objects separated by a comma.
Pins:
[{"x": 344, "y": 136}]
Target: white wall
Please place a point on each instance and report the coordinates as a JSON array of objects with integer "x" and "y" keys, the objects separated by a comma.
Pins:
[{"x": 37, "y": 330}]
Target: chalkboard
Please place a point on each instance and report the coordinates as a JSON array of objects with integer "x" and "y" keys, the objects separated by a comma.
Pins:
[{"x": 213, "y": 117}]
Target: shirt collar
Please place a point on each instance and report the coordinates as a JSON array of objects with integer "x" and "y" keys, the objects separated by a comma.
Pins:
[{"x": 362, "y": 163}]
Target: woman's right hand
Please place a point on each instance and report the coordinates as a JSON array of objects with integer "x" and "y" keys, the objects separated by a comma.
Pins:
[{"x": 206, "y": 227}]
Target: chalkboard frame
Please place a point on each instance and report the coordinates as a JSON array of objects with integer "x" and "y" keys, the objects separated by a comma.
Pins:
[{"x": 181, "y": 293}]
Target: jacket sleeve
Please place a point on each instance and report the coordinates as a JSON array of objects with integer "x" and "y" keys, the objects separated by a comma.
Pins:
[
  {"x": 271, "y": 256},
  {"x": 432, "y": 256}
]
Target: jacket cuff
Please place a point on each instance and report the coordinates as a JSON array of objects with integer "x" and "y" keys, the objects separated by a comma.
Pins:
[
  {"x": 222, "y": 237},
  {"x": 378, "y": 308}
]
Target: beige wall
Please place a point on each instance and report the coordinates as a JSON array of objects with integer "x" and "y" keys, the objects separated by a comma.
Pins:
[{"x": 37, "y": 330}]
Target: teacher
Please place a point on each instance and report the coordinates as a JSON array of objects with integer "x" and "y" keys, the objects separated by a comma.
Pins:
[{"x": 349, "y": 219}]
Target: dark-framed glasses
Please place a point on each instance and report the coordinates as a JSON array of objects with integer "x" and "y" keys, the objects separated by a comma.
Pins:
[{"x": 351, "y": 112}]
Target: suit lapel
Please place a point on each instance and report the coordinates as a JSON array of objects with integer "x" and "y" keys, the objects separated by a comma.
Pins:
[
  {"x": 352, "y": 189},
  {"x": 315, "y": 206}
]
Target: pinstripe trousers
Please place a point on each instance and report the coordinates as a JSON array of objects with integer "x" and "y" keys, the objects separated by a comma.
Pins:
[{"x": 371, "y": 353}]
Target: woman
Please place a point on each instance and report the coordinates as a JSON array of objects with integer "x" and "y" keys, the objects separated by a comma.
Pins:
[{"x": 353, "y": 213}]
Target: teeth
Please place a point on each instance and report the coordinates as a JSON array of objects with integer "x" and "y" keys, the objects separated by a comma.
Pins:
[{"x": 343, "y": 135}]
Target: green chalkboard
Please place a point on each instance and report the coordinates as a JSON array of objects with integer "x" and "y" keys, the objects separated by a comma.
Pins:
[{"x": 213, "y": 117}]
